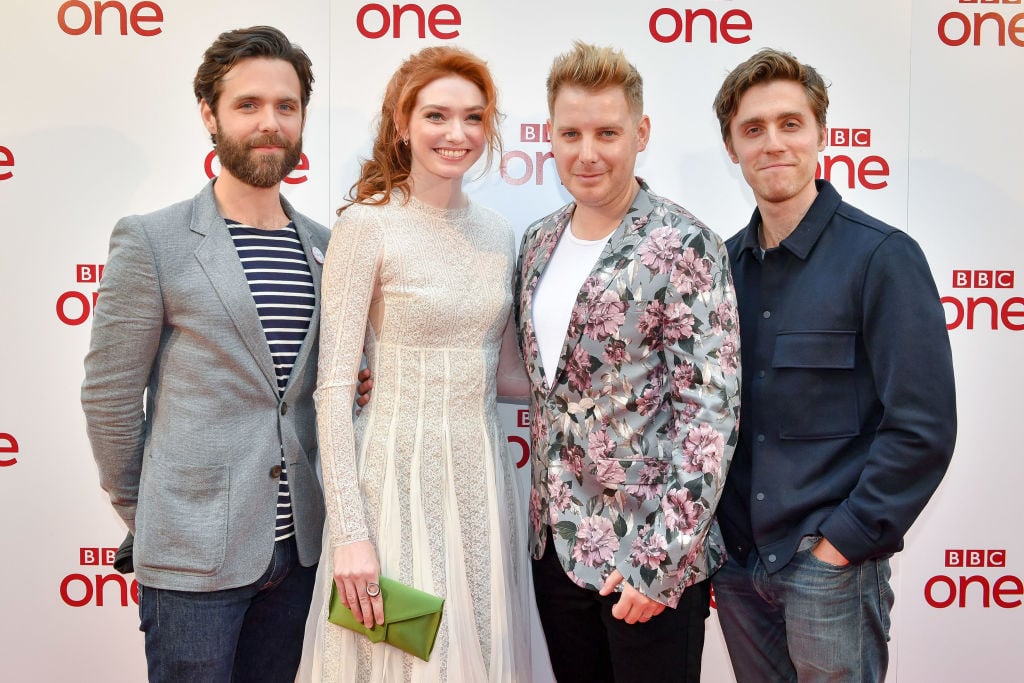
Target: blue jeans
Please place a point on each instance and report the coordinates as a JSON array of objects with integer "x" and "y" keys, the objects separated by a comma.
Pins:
[
  {"x": 810, "y": 621},
  {"x": 252, "y": 633}
]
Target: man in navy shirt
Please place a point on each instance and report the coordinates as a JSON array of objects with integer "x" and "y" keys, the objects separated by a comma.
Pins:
[{"x": 848, "y": 413}]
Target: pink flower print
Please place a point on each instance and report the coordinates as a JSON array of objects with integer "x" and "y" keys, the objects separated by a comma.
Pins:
[
  {"x": 681, "y": 512},
  {"x": 682, "y": 378},
  {"x": 609, "y": 473},
  {"x": 600, "y": 445},
  {"x": 660, "y": 250},
  {"x": 578, "y": 369},
  {"x": 530, "y": 349},
  {"x": 615, "y": 353},
  {"x": 641, "y": 221},
  {"x": 678, "y": 322},
  {"x": 559, "y": 494},
  {"x": 729, "y": 354},
  {"x": 572, "y": 458},
  {"x": 691, "y": 273},
  {"x": 649, "y": 324},
  {"x": 546, "y": 244},
  {"x": 535, "y": 509},
  {"x": 686, "y": 413},
  {"x": 596, "y": 542},
  {"x": 577, "y": 319},
  {"x": 723, "y": 318},
  {"x": 648, "y": 484},
  {"x": 702, "y": 450},
  {"x": 650, "y": 551},
  {"x": 607, "y": 315},
  {"x": 538, "y": 433},
  {"x": 592, "y": 287},
  {"x": 650, "y": 399}
]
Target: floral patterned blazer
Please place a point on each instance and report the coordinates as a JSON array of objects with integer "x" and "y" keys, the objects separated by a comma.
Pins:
[{"x": 633, "y": 432}]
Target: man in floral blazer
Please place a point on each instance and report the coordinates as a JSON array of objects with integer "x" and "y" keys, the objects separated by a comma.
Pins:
[{"x": 628, "y": 327}]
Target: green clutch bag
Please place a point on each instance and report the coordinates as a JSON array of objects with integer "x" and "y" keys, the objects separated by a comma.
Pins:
[{"x": 411, "y": 618}]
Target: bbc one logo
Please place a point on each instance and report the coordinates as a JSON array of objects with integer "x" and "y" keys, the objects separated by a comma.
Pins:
[
  {"x": 669, "y": 25},
  {"x": 375, "y": 21},
  {"x": 74, "y": 307},
  {"x": 849, "y": 162},
  {"x": 991, "y": 310},
  {"x": 971, "y": 588},
  {"x": 519, "y": 167},
  {"x": 77, "y": 18},
  {"x": 95, "y": 585},
  {"x": 985, "y": 27}
]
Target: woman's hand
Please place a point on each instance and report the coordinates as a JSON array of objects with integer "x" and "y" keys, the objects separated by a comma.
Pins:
[{"x": 356, "y": 573}]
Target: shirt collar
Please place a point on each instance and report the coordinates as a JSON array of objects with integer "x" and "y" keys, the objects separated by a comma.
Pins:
[{"x": 801, "y": 241}]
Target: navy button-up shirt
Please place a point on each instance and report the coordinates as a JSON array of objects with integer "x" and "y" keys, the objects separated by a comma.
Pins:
[{"x": 848, "y": 413}]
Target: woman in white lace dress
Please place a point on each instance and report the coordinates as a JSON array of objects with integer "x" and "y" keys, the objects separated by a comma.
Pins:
[{"x": 420, "y": 488}]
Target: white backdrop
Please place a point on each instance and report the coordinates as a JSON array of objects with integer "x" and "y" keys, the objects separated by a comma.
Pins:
[{"x": 98, "y": 121}]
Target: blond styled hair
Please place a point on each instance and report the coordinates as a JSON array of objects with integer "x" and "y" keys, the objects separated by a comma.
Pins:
[{"x": 591, "y": 67}]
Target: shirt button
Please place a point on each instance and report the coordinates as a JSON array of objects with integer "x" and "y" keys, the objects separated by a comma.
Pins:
[
  {"x": 760, "y": 496},
  {"x": 760, "y": 438},
  {"x": 771, "y": 558},
  {"x": 766, "y": 314},
  {"x": 760, "y": 374},
  {"x": 275, "y": 472},
  {"x": 284, "y": 408}
]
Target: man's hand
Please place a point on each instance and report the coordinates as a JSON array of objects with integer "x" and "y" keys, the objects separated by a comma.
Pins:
[
  {"x": 364, "y": 387},
  {"x": 827, "y": 553},
  {"x": 633, "y": 606}
]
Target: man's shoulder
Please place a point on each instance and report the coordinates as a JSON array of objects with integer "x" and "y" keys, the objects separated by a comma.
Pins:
[
  {"x": 167, "y": 214},
  {"x": 860, "y": 232},
  {"x": 548, "y": 220},
  {"x": 178, "y": 213}
]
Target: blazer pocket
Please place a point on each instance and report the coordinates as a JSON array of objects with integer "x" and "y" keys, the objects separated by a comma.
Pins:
[
  {"x": 183, "y": 517},
  {"x": 814, "y": 371}
]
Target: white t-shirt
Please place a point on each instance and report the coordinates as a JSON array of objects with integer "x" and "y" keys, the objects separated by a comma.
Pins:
[{"x": 556, "y": 293}]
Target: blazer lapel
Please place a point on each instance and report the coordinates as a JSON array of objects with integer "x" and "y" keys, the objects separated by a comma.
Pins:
[
  {"x": 537, "y": 253},
  {"x": 315, "y": 262},
  {"x": 219, "y": 260}
]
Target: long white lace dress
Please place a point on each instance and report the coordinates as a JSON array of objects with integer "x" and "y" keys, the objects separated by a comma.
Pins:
[{"x": 424, "y": 472}]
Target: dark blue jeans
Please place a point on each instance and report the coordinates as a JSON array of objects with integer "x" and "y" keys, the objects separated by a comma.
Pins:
[
  {"x": 811, "y": 621},
  {"x": 253, "y": 633}
]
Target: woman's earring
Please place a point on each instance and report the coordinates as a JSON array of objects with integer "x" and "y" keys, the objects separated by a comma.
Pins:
[{"x": 405, "y": 139}]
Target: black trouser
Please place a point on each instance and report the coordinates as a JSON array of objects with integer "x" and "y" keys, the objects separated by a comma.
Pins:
[{"x": 588, "y": 644}]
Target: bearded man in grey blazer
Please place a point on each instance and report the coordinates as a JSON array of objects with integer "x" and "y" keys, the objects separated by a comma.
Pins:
[{"x": 199, "y": 381}]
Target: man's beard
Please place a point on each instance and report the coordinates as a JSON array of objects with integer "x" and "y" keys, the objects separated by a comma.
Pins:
[{"x": 256, "y": 168}]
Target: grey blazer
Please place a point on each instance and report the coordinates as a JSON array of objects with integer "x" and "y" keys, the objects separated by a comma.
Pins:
[{"x": 194, "y": 472}]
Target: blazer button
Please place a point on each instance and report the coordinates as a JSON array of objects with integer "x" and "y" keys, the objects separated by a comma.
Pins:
[
  {"x": 284, "y": 408},
  {"x": 275, "y": 472}
]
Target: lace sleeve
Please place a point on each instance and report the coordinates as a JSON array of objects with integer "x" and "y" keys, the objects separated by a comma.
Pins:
[{"x": 350, "y": 274}]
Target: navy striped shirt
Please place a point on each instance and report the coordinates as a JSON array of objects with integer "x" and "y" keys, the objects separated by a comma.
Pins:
[{"x": 282, "y": 287}]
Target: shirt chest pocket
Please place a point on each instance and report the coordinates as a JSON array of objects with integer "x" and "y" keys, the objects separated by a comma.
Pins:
[{"x": 814, "y": 388}]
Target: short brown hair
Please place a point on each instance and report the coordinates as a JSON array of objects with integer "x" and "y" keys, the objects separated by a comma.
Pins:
[
  {"x": 595, "y": 68},
  {"x": 765, "y": 66},
  {"x": 390, "y": 163},
  {"x": 232, "y": 47}
]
